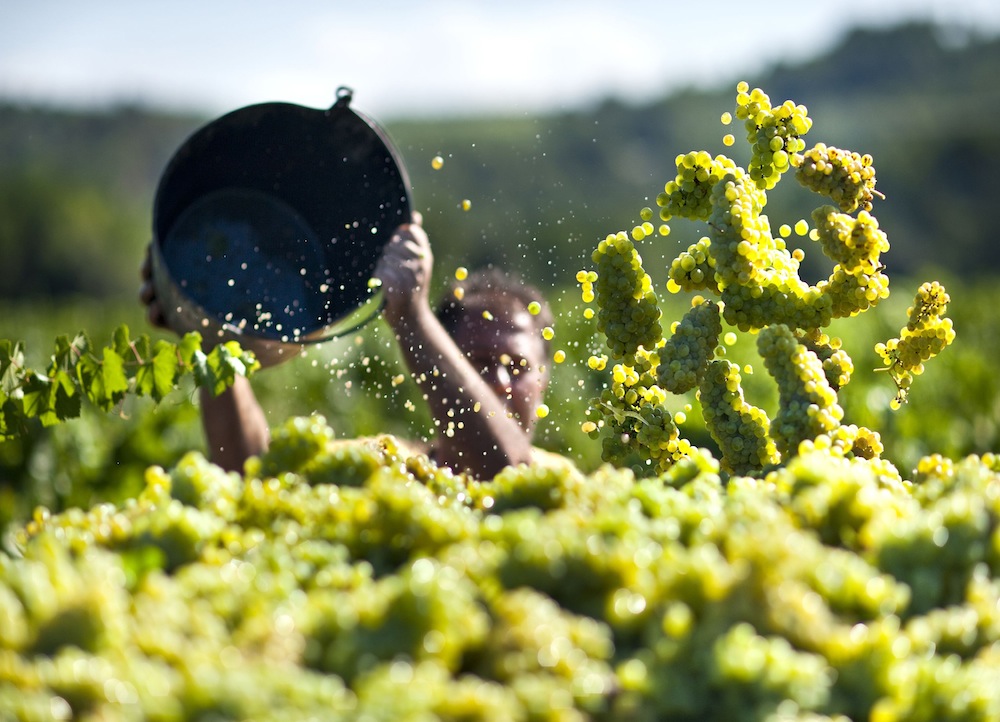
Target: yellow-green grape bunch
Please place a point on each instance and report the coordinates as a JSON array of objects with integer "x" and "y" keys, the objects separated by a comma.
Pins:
[
  {"x": 845, "y": 177},
  {"x": 694, "y": 269},
  {"x": 618, "y": 430},
  {"x": 688, "y": 194},
  {"x": 837, "y": 365},
  {"x": 774, "y": 134},
  {"x": 807, "y": 404},
  {"x": 636, "y": 383},
  {"x": 686, "y": 353},
  {"x": 628, "y": 314},
  {"x": 853, "y": 292},
  {"x": 854, "y": 243},
  {"x": 757, "y": 276},
  {"x": 926, "y": 334},
  {"x": 741, "y": 237},
  {"x": 740, "y": 429},
  {"x": 858, "y": 441},
  {"x": 659, "y": 439},
  {"x": 782, "y": 299}
]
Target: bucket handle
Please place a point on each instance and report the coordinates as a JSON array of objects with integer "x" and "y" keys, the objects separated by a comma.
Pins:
[{"x": 344, "y": 97}]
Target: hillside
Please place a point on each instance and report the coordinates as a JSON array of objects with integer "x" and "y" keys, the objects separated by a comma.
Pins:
[{"x": 76, "y": 187}]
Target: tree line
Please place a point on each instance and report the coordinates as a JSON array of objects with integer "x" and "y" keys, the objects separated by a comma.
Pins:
[{"x": 77, "y": 186}]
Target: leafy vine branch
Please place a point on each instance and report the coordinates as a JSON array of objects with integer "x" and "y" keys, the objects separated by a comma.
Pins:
[{"x": 106, "y": 375}]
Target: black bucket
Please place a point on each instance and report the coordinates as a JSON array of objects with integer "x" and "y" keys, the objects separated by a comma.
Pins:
[{"x": 268, "y": 223}]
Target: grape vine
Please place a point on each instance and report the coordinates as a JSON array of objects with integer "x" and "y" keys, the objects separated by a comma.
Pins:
[
  {"x": 105, "y": 375},
  {"x": 755, "y": 278}
]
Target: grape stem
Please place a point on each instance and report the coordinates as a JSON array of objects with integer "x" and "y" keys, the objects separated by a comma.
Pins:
[{"x": 620, "y": 414}]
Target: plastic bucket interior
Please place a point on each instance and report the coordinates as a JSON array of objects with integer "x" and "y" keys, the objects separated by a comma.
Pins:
[{"x": 268, "y": 223}]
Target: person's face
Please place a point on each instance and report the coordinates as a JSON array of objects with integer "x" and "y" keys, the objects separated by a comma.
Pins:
[{"x": 511, "y": 358}]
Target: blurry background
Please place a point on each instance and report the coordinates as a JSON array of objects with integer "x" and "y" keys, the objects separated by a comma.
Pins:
[{"x": 558, "y": 121}]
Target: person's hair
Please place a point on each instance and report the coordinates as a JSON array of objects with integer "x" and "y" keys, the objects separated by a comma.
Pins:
[{"x": 502, "y": 292}]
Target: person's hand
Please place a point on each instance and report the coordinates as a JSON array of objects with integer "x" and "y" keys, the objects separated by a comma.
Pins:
[
  {"x": 404, "y": 270},
  {"x": 147, "y": 292}
]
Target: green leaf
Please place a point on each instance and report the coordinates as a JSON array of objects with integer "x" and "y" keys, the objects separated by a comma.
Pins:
[
  {"x": 115, "y": 378},
  {"x": 166, "y": 369},
  {"x": 140, "y": 348},
  {"x": 36, "y": 395},
  {"x": 12, "y": 420},
  {"x": 65, "y": 398},
  {"x": 103, "y": 382},
  {"x": 223, "y": 368},
  {"x": 158, "y": 374},
  {"x": 199, "y": 367},
  {"x": 121, "y": 342},
  {"x": 11, "y": 366},
  {"x": 189, "y": 347}
]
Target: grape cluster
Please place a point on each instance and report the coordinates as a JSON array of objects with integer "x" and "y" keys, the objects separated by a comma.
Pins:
[
  {"x": 782, "y": 299},
  {"x": 853, "y": 242},
  {"x": 740, "y": 429},
  {"x": 694, "y": 269},
  {"x": 808, "y": 405},
  {"x": 640, "y": 432},
  {"x": 683, "y": 358},
  {"x": 688, "y": 195},
  {"x": 774, "y": 133},
  {"x": 755, "y": 278},
  {"x": 851, "y": 293},
  {"x": 926, "y": 334},
  {"x": 837, "y": 365},
  {"x": 845, "y": 177},
  {"x": 628, "y": 315}
]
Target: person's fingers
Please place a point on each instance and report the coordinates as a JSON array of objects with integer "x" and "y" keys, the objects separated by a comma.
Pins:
[
  {"x": 417, "y": 218},
  {"x": 154, "y": 313},
  {"x": 146, "y": 269}
]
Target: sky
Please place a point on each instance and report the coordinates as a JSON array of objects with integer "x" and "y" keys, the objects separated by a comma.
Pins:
[{"x": 404, "y": 58}]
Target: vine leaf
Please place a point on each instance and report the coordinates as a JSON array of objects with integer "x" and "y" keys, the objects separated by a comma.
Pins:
[{"x": 106, "y": 376}]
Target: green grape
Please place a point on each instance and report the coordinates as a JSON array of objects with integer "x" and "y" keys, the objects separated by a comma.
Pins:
[
  {"x": 682, "y": 360},
  {"x": 628, "y": 316},
  {"x": 845, "y": 177},
  {"x": 688, "y": 195},
  {"x": 771, "y": 668},
  {"x": 658, "y": 439},
  {"x": 851, "y": 293},
  {"x": 741, "y": 238},
  {"x": 741, "y": 430},
  {"x": 926, "y": 334},
  {"x": 774, "y": 135},
  {"x": 854, "y": 243},
  {"x": 693, "y": 269},
  {"x": 293, "y": 445},
  {"x": 524, "y": 486},
  {"x": 837, "y": 365},
  {"x": 808, "y": 405},
  {"x": 789, "y": 301}
]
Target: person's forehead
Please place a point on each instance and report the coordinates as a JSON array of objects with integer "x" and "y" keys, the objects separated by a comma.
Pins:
[{"x": 481, "y": 330}]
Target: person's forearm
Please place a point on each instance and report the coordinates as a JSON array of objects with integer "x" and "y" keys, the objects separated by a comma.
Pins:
[
  {"x": 475, "y": 431},
  {"x": 235, "y": 425}
]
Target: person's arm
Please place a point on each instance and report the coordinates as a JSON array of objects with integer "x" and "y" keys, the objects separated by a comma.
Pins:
[
  {"x": 475, "y": 432},
  {"x": 234, "y": 423}
]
